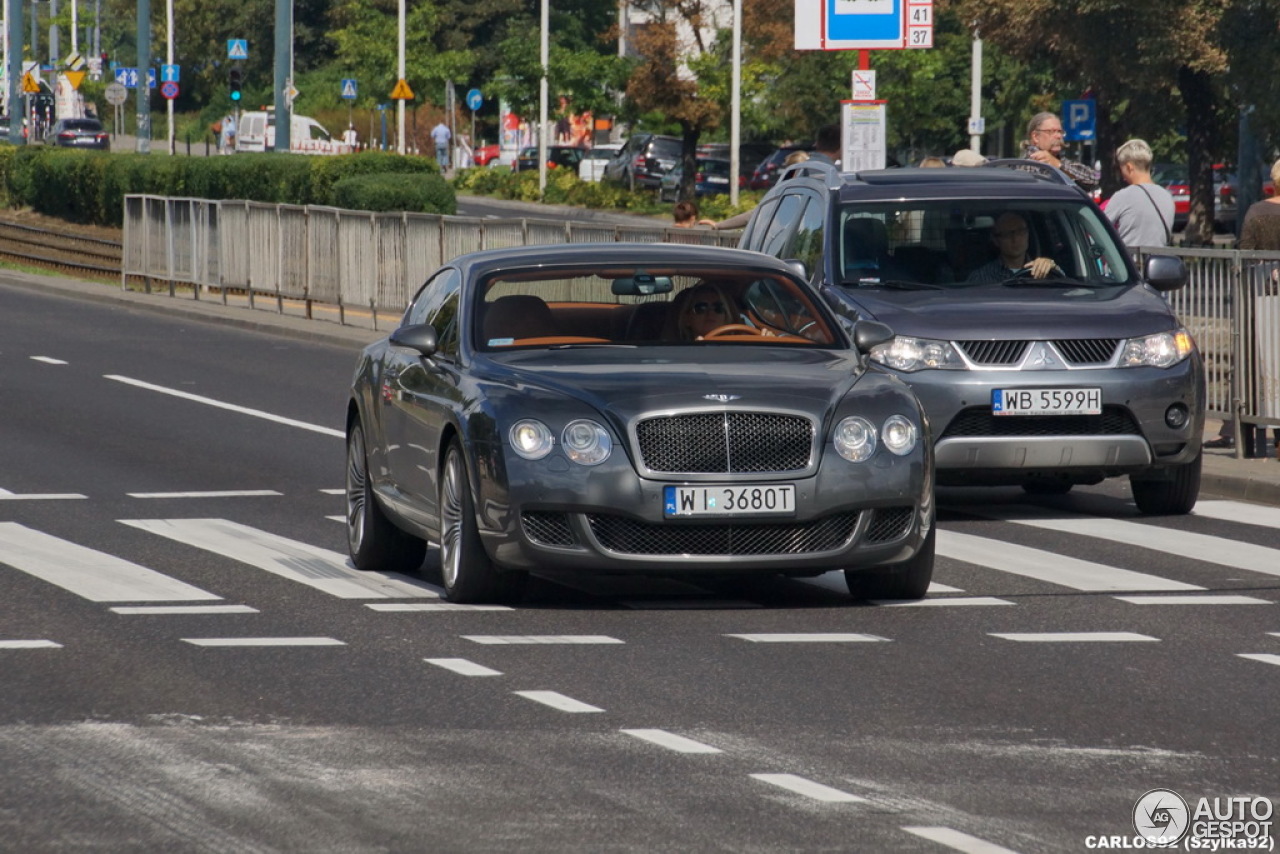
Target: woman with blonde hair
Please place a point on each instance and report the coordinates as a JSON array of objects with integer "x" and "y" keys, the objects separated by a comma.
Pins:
[{"x": 701, "y": 309}]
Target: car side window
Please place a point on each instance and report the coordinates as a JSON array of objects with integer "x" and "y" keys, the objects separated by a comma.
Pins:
[
  {"x": 782, "y": 224},
  {"x": 805, "y": 243},
  {"x": 432, "y": 297}
]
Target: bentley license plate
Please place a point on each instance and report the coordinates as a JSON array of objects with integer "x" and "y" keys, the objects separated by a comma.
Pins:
[
  {"x": 1046, "y": 401},
  {"x": 739, "y": 500}
]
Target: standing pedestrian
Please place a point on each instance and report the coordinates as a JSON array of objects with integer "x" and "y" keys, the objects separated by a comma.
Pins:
[
  {"x": 228, "y": 145},
  {"x": 441, "y": 135},
  {"x": 1143, "y": 211},
  {"x": 1043, "y": 144},
  {"x": 826, "y": 145}
]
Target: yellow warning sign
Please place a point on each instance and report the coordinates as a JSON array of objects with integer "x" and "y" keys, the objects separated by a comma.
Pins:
[
  {"x": 29, "y": 84},
  {"x": 402, "y": 92},
  {"x": 75, "y": 78}
]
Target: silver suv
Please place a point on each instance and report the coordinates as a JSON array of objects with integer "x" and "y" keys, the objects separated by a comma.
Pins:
[{"x": 1065, "y": 371}]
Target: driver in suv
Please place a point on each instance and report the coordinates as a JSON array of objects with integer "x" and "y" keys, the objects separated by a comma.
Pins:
[{"x": 1042, "y": 356}]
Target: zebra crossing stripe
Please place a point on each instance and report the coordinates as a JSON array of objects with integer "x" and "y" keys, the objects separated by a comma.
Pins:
[
  {"x": 87, "y": 573},
  {"x": 559, "y": 701},
  {"x": 957, "y": 841},
  {"x": 29, "y": 644},
  {"x": 322, "y": 569},
  {"x": 671, "y": 741},
  {"x": 1185, "y": 545},
  {"x": 1238, "y": 511},
  {"x": 1048, "y": 566},
  {"x": 808, "y": 788}
]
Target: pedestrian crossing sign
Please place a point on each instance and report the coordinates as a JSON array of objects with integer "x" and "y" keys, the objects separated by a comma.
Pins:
[
  {"x": 237, "y": 48},
  {"x": 29, "y": 84},
  {"x": 349, "y": 88}
]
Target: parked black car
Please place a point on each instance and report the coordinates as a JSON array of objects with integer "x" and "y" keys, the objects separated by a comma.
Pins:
[
  {"x": 1064, "y": 370},
  {"x": 645, "y": 158},
  {"x": 765, "y": 175},
  {"x": 602, "y": 408},
  {"x": 558, "y": 157},
  {"x": 79, "y": 133}
]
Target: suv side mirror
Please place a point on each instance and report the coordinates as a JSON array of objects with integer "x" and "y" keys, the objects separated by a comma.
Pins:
[
  {"x": 1165, "y": 272},
  {"x": 868, "y": 334}
]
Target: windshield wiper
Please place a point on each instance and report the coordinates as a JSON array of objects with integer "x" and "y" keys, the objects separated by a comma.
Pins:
[{"x": 894, "y": 285}]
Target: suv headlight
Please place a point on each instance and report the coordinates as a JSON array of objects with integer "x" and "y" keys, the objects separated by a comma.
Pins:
[
  {"x": 1157, "y": 351},
  {"x": 905, "y": 353}
]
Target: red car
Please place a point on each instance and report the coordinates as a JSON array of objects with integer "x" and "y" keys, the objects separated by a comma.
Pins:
[{"x": 485, "y": 154}]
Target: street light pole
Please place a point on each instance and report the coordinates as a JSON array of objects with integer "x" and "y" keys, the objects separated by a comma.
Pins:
[
  {"x": 542, "y": 102},
  {"x": 400, "y": 76},
  {"x": 735, "y": 108}
]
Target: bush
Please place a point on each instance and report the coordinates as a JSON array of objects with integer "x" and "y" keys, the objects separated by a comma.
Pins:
[{"x": 420, "y": 193}]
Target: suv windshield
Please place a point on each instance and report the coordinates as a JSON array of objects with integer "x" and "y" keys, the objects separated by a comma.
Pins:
[{"x": 952, "y": 244}]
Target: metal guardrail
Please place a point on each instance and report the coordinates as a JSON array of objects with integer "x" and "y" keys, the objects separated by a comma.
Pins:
[{"x": 360, "y": 265}]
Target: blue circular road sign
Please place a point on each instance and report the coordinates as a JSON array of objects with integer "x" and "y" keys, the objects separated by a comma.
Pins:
[{"x": 474, "y": 99}]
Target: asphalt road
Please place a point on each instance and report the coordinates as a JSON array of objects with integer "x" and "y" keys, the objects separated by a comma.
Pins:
[{"x": 188, "y": 664}]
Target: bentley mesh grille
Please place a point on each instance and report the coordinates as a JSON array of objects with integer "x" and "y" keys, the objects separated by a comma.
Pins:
[
  {"x": 889, "y": 524},
  {"x": 628, "y": 536},
  {"x": 549, "y": 529},
  {"x": 1114, "y": 421},
  {"x": 1087, "y": 351},
  {"x": 1006, "y": 353},
  {"x": 726, "y": 443}
]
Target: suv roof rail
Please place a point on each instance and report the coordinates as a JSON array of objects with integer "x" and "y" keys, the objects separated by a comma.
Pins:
[
  {"x": 1034, "y": 167},
  {"x": 816, "y": 168}
]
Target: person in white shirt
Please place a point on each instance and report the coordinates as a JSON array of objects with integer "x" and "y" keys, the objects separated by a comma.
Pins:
[{"x": 1143, "y": 211}]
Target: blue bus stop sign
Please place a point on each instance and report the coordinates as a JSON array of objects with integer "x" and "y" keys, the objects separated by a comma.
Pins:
[
  {"x": 1080, "y": 120},
  {"x": 474, "y": 99}
]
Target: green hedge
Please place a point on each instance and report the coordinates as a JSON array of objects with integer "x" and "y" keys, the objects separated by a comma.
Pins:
[
  {"x": 90, "y": 187},
  {"x": 391, "y": 192}
]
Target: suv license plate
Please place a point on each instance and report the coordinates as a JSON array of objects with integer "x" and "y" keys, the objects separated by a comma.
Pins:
[
  {"x": 744, "y": 500},
  {"x": 1046, "y": 401}
]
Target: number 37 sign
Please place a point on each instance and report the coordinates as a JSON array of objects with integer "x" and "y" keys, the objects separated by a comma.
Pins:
[{"x": 863, "y": 24}]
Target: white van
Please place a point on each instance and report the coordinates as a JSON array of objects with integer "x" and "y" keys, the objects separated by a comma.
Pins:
[{"x": 257, "y": 132}]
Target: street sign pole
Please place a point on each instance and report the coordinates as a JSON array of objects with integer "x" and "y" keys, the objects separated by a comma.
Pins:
[
  {"x": 168, "y": 58},
  {"x": 143, "y": 92}
]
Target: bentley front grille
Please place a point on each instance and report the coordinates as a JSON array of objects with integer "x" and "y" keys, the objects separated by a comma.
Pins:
[
  {"x": 630, "y": 537},
  {"x": 726, "y": 443}
]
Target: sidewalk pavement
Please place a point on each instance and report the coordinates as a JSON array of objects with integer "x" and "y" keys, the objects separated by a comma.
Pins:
[{"x": 1256, "y": 480}]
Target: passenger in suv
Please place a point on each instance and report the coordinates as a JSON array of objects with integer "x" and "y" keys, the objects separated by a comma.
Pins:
[
  {"x": 1039, "y": 378},
  {"x": 644, "y": 159}
]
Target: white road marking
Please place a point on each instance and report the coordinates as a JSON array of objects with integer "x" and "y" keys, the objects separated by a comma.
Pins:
[
  {"x": 1073, "y": 637},
  {"x": 1239, "y": 511},
  {"x": 325, "y": 570},
  {"x": 29, "y": 644},
  {"x": 1264, "y": 657},
  {"x": 958, "y": 841},
  {"x": 1048, "y": 566},
  {"x": 90, "y": 574},
  {"x": 1184, "y": 545},
  {"x": 943, "y": 602},
  {"x": 6, "y": 495},
  {"x": 463, "y": 667},
  {"x": 834, "y": 581},
  {"x": 48, "y": 360},
  {"x": 671, "y": 741},
  {"x": 814, "y": 637},
  {"x": 223, "y": 493},
  {"x": 183, "y": 609},
  {"x": 559, "y": 701},
  {"x": 334, "y": 491},
  {"x": 1206, "y": 599},
  {"x": 231, "y": 407},
  {"x": 808, "y": 788},
  {"x": 263, "y": 642},
  {"x": 540, "y": 639},
  {"x": 405, "y": 607}
]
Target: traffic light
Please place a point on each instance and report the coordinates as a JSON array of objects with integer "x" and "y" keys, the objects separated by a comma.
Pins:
[{"x": 235, "y": 84}]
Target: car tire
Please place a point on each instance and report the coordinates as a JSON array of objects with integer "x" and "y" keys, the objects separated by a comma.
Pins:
[
  {"x": 466, "y": 571},
  {"x": 373, "y": 540},
  {"x": 1173, "y": 494},
  {"x": 907, "y": 580}
]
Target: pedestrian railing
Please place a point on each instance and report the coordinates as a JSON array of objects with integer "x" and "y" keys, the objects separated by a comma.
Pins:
[{"x": 362, "y": 268}]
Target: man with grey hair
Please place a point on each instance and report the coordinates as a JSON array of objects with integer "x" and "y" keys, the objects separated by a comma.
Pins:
[
  {"x": 1143, "y": 211},
  {"x": 1044, "y": 144}
]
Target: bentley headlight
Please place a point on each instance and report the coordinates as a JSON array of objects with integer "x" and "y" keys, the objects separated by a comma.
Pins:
[
  {"x": 531, "y": 439},
  {"x": 1157, "y": 351},
  {"x": 855, "y": 439},
  {"x": 905, "y": 353},
  {"x": 586, "y": 442},
  {"x": 899, "y": 435}
]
